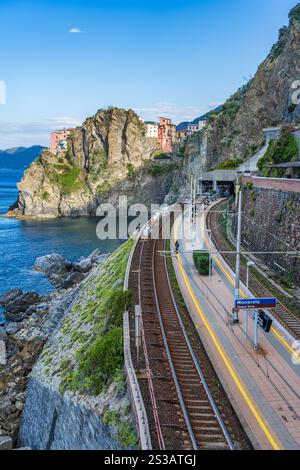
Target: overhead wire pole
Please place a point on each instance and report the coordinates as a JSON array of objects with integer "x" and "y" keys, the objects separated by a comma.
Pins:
[
  {"x": 194, "y": 200},
  {"x": 238, "y": 257}
]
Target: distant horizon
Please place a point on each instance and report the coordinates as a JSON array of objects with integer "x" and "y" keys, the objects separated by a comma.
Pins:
[
  {"x": 70, "y": 58},
  {"x": 21, "y": 147}
]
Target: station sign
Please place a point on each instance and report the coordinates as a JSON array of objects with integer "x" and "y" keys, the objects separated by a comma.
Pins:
[
  {"x": 264, "y": 321},
  {"x": 244, "y": 304}
]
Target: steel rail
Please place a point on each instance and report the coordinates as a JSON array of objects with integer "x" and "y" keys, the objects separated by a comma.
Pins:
[
  {"x": 148, "y": 369},
  {"x": 174, "y": 375},
  {"x": 197, "y": 365}
]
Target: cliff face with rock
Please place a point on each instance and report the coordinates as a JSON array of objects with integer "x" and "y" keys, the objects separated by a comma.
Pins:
[
  {"x": 272, "y": 213},
  {"x": 236, "y": 130},
  {"x": 72, "y": 340},
  {"x": 108, "y": 156}
]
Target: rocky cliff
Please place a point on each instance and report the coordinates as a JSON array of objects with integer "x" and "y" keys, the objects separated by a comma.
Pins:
[
  {"x": 236, "y": 130},
  {"x": 107, "y": 156}
]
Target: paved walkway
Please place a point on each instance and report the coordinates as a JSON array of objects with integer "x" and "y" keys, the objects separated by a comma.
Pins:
[{"x": 264, "y": 386}]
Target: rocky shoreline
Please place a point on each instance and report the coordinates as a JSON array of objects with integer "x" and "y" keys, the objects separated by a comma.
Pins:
[{"x": 30, "y": 320}]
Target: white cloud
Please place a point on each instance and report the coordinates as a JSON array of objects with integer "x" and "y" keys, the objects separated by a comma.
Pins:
[
  {"x": 75, "y": 30},
  {"x": 24, "y": 134},
  {"x": 175, "y": 112}
]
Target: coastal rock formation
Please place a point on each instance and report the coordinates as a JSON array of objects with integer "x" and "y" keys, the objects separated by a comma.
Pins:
[
  {"x": 75, "y": 398},
  {"x": 108, "y": 156},
  {"x": 64, "y": 274},
  {"x": 236, "y": 129}
]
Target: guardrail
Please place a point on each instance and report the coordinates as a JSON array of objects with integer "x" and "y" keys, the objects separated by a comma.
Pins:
[{"x": 132, "y": 381}]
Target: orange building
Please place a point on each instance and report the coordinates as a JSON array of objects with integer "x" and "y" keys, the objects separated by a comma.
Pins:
[
  {"x": 182, "y": 135},
  {"x": 166, "y": 134},
  {"x": 58, "y": 140}
]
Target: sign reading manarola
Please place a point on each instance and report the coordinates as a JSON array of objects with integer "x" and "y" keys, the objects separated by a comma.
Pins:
[{"x": 150, "y": 231}]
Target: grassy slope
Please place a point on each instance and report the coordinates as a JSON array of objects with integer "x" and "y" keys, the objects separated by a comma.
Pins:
[{"x": 88, "y": 352}]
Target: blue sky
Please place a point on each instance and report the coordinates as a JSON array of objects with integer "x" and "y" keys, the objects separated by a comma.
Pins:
[{"x": 157, "y": 57}]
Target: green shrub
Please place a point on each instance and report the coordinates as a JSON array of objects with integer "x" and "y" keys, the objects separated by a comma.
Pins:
[
  {"x": 279, "y": 46},
  {"x": 99, "y": 360},
  {"x": 280, "y": 150},
  {"x": 117, "y": 303},
  {"x": 69, "y": 181},
  {"x": 159, "y": 170},
  {"x": 294, "y": 14},
  {"x": 110, "y": 417},
  {"x": 229, "y": 164},
  {"x": 127, "y": 435},
  {"x": 45, "y": 196},
  {"x": 103, "y": 189},
  {"x": 102, "y": 359},
  {"x": 201, "y": 260},
  {"x": 231, "y": 108},
  {"x": 131, "y": 172},
  {"x": 99, "y": 158}
]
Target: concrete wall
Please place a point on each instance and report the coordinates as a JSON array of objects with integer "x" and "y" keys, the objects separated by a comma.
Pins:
[{"x": 271, "y": 222}]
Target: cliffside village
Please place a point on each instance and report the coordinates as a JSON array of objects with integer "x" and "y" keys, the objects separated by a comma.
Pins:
[
  {"x": 168, "y": 135},
  {"x": 165, "y": 132}
]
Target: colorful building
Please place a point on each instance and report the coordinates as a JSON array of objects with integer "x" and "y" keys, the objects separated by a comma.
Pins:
[
  {"x": 58, "y": 140},
  {"x": 192, "y": 128},
  {"x": 151, "y": 129},
  {"x": 182, "y": 135},
  {"x": 166, "y": 134}
]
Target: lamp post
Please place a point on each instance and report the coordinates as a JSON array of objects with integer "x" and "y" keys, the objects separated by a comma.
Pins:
[
  {"x": 210, "y": 256},
  {"x": 201, "y": 187},
  {"x": 235, "y": 317},
  {"x": 250, "y": 264}
]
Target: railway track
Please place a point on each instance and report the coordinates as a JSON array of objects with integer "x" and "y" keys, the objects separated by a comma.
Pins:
[
  {"x": 282, "y": 313},
  {"x": 184, "y": 414}
]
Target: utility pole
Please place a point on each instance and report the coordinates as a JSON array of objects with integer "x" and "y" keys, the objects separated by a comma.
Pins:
[
  {"x": 195, "y": 197},
  {"x": 256, "y": 331},
  {"x": 238, "y": 256},
  {"x": 250, "y": 264}
]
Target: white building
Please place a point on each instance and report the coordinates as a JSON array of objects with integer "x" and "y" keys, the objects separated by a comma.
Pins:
[
  {"x": 201, "y": 124},
  {"x": 191, "y": 128},
  {"x": 151, "y": 129}
]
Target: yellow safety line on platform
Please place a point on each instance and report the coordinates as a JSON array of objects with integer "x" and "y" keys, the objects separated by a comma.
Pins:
[{"x": 272, "y": 440}]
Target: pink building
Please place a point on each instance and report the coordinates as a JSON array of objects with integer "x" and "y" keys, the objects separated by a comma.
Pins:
[
  {"x": 166, "y": 134},
  {"x": 58, "y": 140}
]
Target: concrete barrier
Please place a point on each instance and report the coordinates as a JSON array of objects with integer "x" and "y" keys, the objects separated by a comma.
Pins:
[{"x": 132, "y": 381}]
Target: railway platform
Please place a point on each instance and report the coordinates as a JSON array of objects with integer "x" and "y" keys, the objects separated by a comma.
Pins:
[{"x": 263, "y": 386}]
